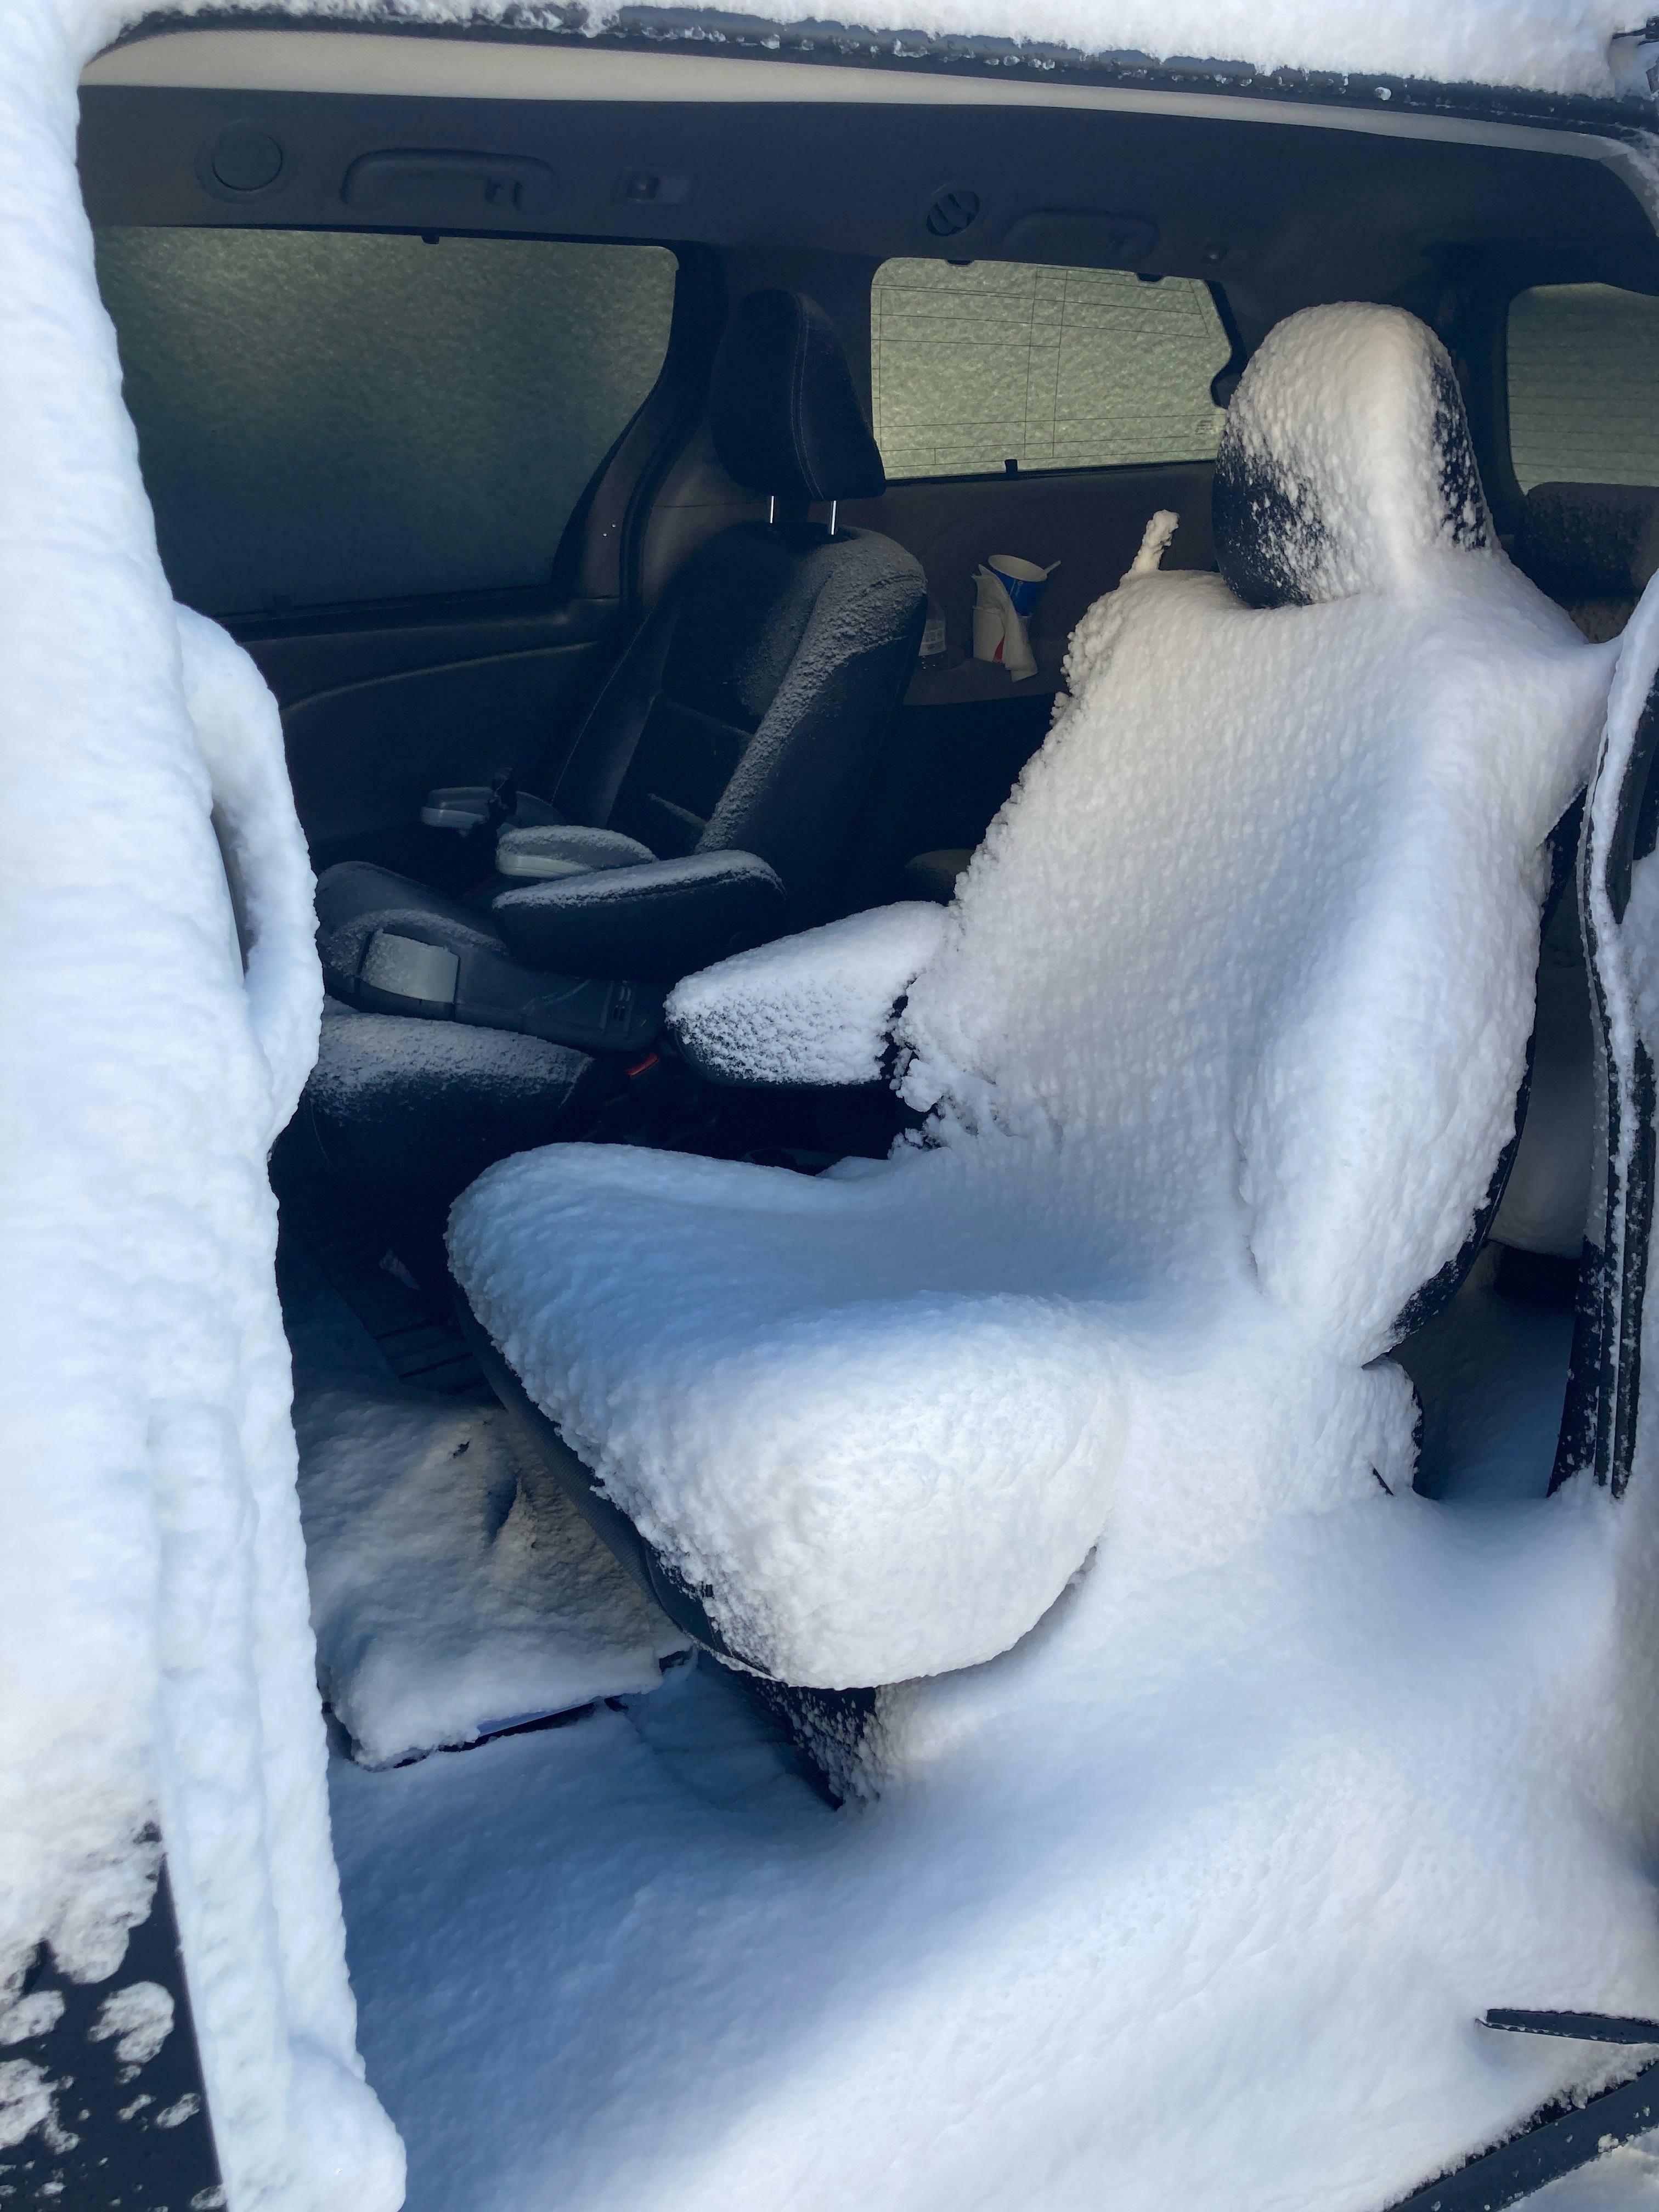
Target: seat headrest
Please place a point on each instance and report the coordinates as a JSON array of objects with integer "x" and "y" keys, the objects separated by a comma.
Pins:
[
  {"x": 783, "y": 410},
  {"x": 1345, "y": 459}
]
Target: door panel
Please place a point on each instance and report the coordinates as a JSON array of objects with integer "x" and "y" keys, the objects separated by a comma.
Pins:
[
  {"x": 401, "y": 469},
  {"x": 378, "y": 710},
  {"x": 1090, "y": 520}
]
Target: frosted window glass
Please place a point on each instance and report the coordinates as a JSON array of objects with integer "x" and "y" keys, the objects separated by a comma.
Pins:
[
  {"x": 1056, "y": 368},
  {"x": 1585, "y": 386},
  {"x": 327, "y": 416}
]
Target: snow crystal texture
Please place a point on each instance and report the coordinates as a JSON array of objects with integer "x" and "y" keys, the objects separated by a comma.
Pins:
[
  {"x": 1195, "y": 1897},
  {"x": 1220, "y": 1049},
  {"x": 815, "y": 1008}
]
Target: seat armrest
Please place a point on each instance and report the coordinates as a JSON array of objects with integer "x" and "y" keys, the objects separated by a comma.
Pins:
[
  {"x": 433, "y": 966},
  {"x": 815, "y": 1008},
  {"x": 460, "y": 807},
  {"x": 651, "y": 924},
  {"x": 563, "y": 849},
  {"x": 467, "y": 806}
]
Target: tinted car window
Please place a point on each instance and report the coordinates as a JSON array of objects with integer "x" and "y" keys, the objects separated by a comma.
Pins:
[
  {"x": 1054, "y": 368},
  {"x": 326, "y": 416},
  {"x": 1583, "y": 368}
]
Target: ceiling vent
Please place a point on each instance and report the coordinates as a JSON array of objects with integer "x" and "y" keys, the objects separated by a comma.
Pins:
[{"x": 953, "y": 211}]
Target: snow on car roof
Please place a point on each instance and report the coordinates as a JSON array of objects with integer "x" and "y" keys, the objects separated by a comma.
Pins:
[{"x": 1559, "y": 47}]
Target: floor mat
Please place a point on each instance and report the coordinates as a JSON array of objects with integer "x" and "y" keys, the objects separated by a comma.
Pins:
[
  {"x": 329, "y": 1233},
  {"x": 450, "y": 1601}
]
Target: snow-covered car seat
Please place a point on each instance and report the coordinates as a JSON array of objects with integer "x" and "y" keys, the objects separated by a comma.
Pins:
[{"x": 1218, "y": 1044}]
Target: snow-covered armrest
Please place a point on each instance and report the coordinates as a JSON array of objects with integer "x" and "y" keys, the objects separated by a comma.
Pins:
[
  {"x": 815, "y": 1008},
  {"x": 564, "y": 848}
]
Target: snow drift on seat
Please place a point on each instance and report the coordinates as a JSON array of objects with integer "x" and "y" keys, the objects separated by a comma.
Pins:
[{"x": 1220, "y": 1049}]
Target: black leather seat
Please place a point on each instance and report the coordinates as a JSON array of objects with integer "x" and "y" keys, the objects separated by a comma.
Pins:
[{"x": 705, "y": 803}]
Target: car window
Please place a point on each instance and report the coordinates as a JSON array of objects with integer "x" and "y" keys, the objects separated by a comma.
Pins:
[
  {"x": 1583, "y": 372},
  {"x": 1052, "y": 368},
  {"x": 326, "y": 416}
]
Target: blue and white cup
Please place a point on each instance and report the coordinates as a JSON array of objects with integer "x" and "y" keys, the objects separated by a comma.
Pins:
[{"x": 1022, "y": 580}]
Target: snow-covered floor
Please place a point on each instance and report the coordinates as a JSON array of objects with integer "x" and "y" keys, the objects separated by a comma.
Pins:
[
  {"x": 451, "y": 1597},
  {"x": 1492, "y": 1374},
  {"x": 612, "y": 1967}
]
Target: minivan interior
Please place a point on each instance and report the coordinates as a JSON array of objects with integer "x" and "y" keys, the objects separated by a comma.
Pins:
[
  {"x": 600, "y": 483},
  {"x": 618, "y": 454}
]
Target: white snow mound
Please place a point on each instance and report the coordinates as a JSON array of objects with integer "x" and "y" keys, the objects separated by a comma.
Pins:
[
  {"x": 1220, "y": 1049},
  {"x": 814, "y": 1008},
  {"x": 161, "y": 998}
]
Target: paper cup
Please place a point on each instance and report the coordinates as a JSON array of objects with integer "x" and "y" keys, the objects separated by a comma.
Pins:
[{"x": 1022, "y": 580}]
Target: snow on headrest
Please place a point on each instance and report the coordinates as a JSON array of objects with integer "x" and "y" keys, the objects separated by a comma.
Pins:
[{"x": 1346, "y": 458}]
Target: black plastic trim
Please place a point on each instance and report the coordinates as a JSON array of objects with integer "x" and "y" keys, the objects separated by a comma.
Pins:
[
  {"x": 1604, "y": 1373},
  {"x": 1558, "y": 2140},
  {"x": 1047, "y": 476},
  {"x": 1575, "y": 2026},
  {"x": 123, "y": 2137},
  {"x": 1224, "y": 382}
]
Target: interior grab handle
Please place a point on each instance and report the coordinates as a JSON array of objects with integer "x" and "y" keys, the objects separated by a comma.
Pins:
[{"x": 429, "y": 180}]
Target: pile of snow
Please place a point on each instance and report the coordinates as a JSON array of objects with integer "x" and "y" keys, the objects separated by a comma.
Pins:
[
  {"x": 1221, "y": 1047},
  {"x": 452, "y": 1594},
  {"x": 154, "y": 1636},
  {"x": 1195, "y": 1900},
  {"x": 1194, "y": 1897},
  {"x": 816, "y": 1008}
]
